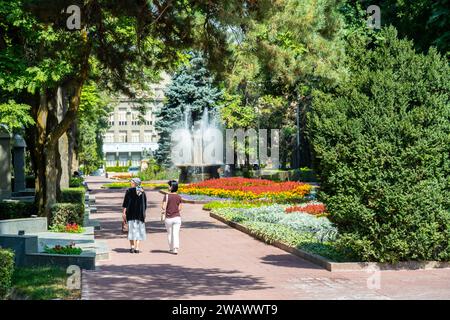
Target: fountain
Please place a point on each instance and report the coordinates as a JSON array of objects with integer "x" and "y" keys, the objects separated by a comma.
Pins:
[{"x": 197, "y": 147}]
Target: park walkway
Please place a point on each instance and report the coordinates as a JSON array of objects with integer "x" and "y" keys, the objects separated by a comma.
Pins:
[{"x": 218, "y": 262}]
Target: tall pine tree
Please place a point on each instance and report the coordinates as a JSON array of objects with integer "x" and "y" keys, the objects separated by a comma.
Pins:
[{"x": 192, "y": 89}]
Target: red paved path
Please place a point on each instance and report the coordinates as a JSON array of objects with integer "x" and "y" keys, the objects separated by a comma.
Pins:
[{"x": 218, "y": 262}]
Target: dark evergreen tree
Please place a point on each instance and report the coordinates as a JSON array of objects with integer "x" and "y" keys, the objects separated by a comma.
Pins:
[
  {"x": 382, "y": 147},
  {"x": 191, "y": 89}
]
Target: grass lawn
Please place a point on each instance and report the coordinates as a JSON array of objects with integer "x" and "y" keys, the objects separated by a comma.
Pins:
[{"x": 42, "y": 283}]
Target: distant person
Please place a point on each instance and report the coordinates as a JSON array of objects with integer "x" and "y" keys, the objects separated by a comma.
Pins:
[
  {"x": 134, "y": 207},
  {"x": 171, "y": 205}
]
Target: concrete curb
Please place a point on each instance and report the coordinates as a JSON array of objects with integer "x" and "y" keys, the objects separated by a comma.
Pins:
[{"x": 338, "y": 266}]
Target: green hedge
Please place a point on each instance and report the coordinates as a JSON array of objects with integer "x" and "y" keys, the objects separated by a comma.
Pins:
[
  {"x": 117, "y": 169},
  {"x": 6, "y": 272},
  {"x": 76, "y": 182},
  {"x": 16, "y": 210},
  {"x": 72, "y": 195},
  {"x": 382, "y": 147},
  {"x": 64, "y": 213},
  {"x": 301, "y": 174}
]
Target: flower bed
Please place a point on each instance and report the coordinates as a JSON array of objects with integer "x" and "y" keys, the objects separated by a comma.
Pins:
[
  {"x": 201, "y": 197},
  {"x": 300, "y": 230},
  {"x": 67, "y": 250},
  {"x": 69, "y": 228},
  {"x": 250, "y": 189},
  {"x": 311, "y": 208},
  {"x": 124, "y": 185}
]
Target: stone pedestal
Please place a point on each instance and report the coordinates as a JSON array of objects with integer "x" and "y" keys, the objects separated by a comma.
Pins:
[
  {"x": 19, "y": 163},
  {"x": 197, "y": 174},
  {"x": 5, "y": 164}
]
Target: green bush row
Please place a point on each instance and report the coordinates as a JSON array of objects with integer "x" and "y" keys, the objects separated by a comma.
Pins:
[
  {"x": 117, "y": 169},
  {"x": 76, "y": 182},
  {"x": 382, "y": 146},
  {"x": 73, "y": 195},
  {"x": 64, "y": 213},
  {"x": 16, "y": 209},
  {"x": 6, "y": 272}
]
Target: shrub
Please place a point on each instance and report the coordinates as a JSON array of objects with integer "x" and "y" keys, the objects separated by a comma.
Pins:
[
  {"x": 117, "y": 169},
  {"x": 16, "y": 209},
  {"x": 6, "y": 271},
  {"x": 381, "y": 141},
  {"x": 322, "y": 229},
  {"x": 69, "y": 228},
  {"x": 73, "y": 195},
  {"x": 67, "y": 213},
  {"x": 70, "y": 249},
  {"x": 76, "y": 182}
]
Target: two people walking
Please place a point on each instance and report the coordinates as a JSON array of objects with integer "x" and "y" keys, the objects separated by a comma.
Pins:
[{"x": 134, "y": 215}]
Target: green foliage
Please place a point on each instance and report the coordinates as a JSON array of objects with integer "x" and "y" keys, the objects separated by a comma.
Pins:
[
  {"x": 236, "y": 114},
  {"x": 191, "y": 89},
  {"x": 156, "y": 172},
  {"x": 233, "y": 204},
  {"x": 76, "y": 182},
  {"x": 73, "y": 195},
  {"x": 117, "y": 169},
  {"x": 66, "y": 229},
  {"x": 15, "y": 115},
  {"x": 65, "y": 213},
  {"x": 43, "y": 283},
  {"x": 295, "y": 47},
  {"x": 6, "y": 272},
  {"x": 92, "y": 124},
  {"x": 272, "y": 232},
  {"x": 16, "y": 209},
  {"x": 425, "y": 21},
  {"x": 382, "y": 147},
  {"x": 65, "y": 250}
]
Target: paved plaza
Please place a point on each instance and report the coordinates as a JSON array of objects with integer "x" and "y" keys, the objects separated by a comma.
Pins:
[{"x": 219, "y": 262}]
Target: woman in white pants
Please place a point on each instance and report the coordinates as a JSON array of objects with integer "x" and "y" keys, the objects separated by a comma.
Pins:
[{"x": 172, "y": 207}]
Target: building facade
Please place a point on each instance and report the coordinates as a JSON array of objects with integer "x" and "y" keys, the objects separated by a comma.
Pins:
[{"x": 129, "y": 140}]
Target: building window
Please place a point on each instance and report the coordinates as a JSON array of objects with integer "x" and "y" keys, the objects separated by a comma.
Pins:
[
  {"x": 135, "y": 118},
  {"x": 111, "y": 120},
  {"x": 110, "y": 160},
  {"x": 147, "y": 136},
  {"x": 122, "y": 137},
  {"x": 148, "y": 119},
  {"x": 135, "y": 137},
  {"x": 135, "y": 160},
  {"x": 123, "y": 160},
  {"x": 122, "y": 118},
  {"x": 109, "y": 137}
]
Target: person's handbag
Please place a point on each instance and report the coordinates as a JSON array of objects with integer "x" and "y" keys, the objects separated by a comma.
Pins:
[{"x": 124, "y": 227}]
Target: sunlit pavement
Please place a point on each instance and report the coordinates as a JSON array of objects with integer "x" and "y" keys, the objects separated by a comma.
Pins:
[{"x": 218, "y": 262}]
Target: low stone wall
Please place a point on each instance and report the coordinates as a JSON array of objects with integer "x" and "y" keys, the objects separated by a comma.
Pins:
[
  {"x": 29, "y": 225},
  {"x": 84, "y": 261},
  {"x": 27, "y": 255},
  {"x": 21, "y": 245}
]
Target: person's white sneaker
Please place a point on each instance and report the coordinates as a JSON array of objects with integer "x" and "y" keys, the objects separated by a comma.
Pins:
[{"x": 175, "y": 251}]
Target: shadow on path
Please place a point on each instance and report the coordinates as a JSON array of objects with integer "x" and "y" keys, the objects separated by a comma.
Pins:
[{"x": 165, "y": 281}]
